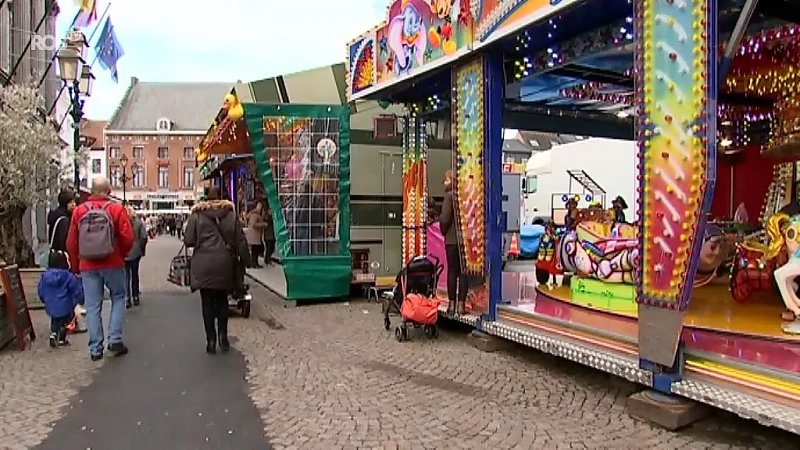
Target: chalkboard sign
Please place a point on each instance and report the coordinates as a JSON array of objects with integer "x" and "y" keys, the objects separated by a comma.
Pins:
[{"x": 17, "y": 312}]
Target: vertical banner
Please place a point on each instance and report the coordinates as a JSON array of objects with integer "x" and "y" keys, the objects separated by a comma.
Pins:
[
  {"x": 469, "y": 187},
  {"x": 675, "y": 132},
  {"x": 415, "y": 210}
]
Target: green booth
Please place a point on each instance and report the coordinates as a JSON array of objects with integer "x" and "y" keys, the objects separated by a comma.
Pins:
[{"x": 301, "y": 156}]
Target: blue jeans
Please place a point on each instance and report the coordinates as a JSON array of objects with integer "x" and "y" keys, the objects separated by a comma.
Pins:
[{"x": 93, "y": 282}]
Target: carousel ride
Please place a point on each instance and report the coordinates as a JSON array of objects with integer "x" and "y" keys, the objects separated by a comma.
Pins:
[{"x": 597, "y": 256}]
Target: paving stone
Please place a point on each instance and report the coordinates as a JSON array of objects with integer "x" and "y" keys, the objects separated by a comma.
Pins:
[{"x": 328, "y": 377}]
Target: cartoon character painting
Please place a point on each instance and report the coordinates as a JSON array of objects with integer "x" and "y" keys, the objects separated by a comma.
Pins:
[
  {"x": 407, "y": 38},
  {"x": 786, "y": 275},
  {"x": 442, "y": 34}
]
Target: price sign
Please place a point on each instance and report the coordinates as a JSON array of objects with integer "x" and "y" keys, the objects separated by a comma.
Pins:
[{"x": 17, "y": 316}]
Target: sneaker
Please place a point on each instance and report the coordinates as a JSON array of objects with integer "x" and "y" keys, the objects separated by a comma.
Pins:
[
  {"x": 96, "y": 356},
  {"x": 63, "y": 343},
  {"x": 135, "y": 301},
  {"x": 128, "y": 304},
  {"x": 118, "y": 349},
  {"x": 53, "y": 340}
]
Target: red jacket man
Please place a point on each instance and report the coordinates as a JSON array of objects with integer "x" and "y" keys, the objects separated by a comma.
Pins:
[{"x": 123, "y": 235}]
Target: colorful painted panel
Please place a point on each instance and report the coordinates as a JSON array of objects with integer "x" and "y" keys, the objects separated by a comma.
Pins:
[
  {"x": 468, "y": 120},
  {"x": 361, "y": 64},
  {"x": 497, "y": 17},
  {"x": 672, "y": 124},
  {"x": 415, "y": 208},
  {"x": 416, "y": 33}
]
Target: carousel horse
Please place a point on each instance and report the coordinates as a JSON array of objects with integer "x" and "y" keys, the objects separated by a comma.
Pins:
[
  {"x": 754, "y": 262},
  {"x": 786, "y": 274}
]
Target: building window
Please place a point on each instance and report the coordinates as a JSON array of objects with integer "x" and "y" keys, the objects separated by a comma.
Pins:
[
  {"x": 116, "y": 176},
  {"x": 138, "y": 151},
  {"x": 97, "y": 166},
  {"x": 163, "y": 177},
  {"x": 163, "y": 125},
  {"x": 138, "y": 177},
  {"x": 188, "y": 177},
  {"x": 113, "y": 152},
  {"x": 163, "y": 152},
  {"x": 188, "y": 152}
]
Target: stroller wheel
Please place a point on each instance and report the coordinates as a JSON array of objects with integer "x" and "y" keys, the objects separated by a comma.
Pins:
[
  {"x": 399, "y": 334},
  {"x": 387, "y": 324}
]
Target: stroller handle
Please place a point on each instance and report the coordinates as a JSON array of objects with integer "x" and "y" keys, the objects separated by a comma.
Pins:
[{"x": 438, "y": 262}]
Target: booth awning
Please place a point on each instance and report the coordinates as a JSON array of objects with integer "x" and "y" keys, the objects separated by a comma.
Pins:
[{"x": 216, "y": 165}]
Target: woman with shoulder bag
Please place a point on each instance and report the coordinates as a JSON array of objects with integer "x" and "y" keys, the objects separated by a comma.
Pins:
[{"x": 218, "y": 239}]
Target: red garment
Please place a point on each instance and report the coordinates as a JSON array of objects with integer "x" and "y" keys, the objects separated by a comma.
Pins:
[{"x": 123, "y": 239}]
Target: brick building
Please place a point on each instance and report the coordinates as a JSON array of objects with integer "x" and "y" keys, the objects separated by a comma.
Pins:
[{"x": 157, "y": 126}]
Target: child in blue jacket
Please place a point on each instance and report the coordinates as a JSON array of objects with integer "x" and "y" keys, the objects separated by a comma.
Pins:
[{"x": 60, "y": 291}]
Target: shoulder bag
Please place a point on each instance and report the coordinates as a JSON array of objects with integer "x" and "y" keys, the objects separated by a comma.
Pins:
[{"x": 44, "y": 258}]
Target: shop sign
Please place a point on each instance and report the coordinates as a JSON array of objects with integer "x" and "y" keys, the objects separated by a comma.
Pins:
[{"x": 163, "y": 196}]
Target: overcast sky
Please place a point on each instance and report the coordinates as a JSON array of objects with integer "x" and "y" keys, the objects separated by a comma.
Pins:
[{"x": 208, "y": 40}]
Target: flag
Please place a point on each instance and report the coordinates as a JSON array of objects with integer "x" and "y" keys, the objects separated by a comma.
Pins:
[
  {"x": 87, "y": 13},
  {"x": 109, "y": 51}
]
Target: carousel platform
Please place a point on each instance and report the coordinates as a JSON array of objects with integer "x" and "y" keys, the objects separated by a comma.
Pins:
[{"x": 736, "y": 343}]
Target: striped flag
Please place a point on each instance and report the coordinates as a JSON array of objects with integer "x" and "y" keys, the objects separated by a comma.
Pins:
[{"x": 87, "y": 13}]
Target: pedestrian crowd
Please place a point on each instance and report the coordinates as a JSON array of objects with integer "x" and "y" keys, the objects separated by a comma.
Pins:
[{"x": 98, "y": 245}]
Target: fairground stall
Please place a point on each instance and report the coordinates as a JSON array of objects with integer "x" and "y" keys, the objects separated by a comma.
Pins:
[
  {"x": 296, "y": 157},
  {"x": 668, "y": 299}
]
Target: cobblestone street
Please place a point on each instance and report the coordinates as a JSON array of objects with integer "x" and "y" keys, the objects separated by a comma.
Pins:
[{"x": 324, "y": 376}]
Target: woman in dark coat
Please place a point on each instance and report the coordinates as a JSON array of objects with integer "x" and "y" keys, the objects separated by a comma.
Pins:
[
  {"x": 219, "y": 243},
  {"x": 456, "y": 281}
]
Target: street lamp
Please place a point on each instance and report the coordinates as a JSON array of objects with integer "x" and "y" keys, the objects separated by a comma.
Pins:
[
  {"x": 124, "y": 178},
  {"x": 79, "y": 80}
]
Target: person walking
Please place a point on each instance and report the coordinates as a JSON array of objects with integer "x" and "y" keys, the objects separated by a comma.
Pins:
[
  {"x": 456, "y": 281},
  {"x": 255, "y": 230},
  {"x": 100, "y": 236},
  {"x": 220, "y": 249},
  {"x": 60, "y": 292},
  {"x": 134, "y": 258},
  {"x": 58, "y": 220},
  {"x": 269, "y": 236}
]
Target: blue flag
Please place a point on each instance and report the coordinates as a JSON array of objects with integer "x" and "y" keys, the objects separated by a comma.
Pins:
[{"x": 109, "y": 51}]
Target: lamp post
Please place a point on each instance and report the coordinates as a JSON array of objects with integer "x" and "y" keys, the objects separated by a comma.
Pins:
[
  {"x": 79, "y": 80},
  {"x": 124, "y": 178}
]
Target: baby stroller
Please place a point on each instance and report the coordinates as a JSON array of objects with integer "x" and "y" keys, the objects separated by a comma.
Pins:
[{"x": 414, "y": 297}]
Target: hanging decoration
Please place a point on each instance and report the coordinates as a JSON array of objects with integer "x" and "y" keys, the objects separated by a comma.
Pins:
[{"x": 414, "y": 192}]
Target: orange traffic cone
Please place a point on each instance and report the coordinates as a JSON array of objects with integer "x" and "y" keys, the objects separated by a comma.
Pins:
[{"x": 514, "y": 248}]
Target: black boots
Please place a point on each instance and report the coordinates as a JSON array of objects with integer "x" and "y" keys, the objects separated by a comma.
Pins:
[{"x": 224, "y": 346}]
